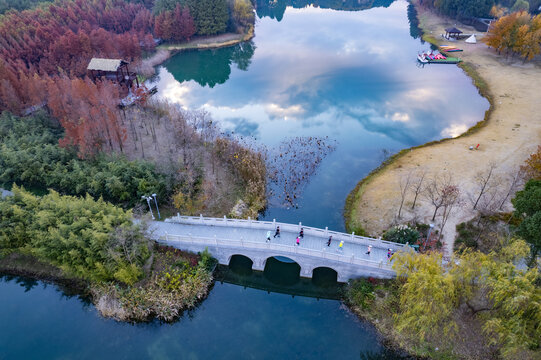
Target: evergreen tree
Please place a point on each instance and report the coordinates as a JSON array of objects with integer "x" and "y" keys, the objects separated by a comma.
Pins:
[
  {"x": 210, "y": 16},
  {"x": 527, "y": 205}
]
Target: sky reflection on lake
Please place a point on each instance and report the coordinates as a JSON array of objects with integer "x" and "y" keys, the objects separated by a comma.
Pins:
[{"x": 350, "y": 75}]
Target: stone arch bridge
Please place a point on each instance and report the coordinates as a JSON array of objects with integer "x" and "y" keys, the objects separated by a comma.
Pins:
[{"x": 227, "y": 237}]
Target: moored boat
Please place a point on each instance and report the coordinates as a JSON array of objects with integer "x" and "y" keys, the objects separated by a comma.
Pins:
[
  {"x": 449, "y": 48},
  {"x": 432, "y": 58}
]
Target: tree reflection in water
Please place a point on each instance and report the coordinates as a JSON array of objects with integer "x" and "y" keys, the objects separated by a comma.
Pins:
[{"x": 209, "y": 68}]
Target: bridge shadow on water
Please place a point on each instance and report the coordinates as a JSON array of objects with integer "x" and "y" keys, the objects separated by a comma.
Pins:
[{"x": 281, "y": 276}]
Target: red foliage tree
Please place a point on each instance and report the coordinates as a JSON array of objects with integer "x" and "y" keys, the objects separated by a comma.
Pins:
[
  {"x": 177, "y": 25},
  {"x": 60, "y": 40},
  {"x": 89, "y": 114},
  {"x": 186, "y": 23}
]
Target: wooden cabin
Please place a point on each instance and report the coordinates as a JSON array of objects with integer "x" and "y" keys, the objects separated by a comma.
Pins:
[{"x": 112, "y": 69}]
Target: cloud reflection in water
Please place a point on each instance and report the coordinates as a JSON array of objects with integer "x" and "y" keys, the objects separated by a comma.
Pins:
[{"x": 317, "y": 72}]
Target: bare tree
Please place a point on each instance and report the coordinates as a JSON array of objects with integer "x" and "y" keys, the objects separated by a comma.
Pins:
[
  {"x": 417, "y": 186},
  {"x": 404, "y": 184},
  {"x": 482, "y": 179},
  {"x": 450, "y": 196},
  {"x": 515, "y": 181},
  {"x": 435, "y": 191}
]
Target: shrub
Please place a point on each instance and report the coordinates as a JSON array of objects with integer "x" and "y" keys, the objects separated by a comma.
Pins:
[
  {"x": 361, "y": 293},
  {"x": 401, "y": 234}
]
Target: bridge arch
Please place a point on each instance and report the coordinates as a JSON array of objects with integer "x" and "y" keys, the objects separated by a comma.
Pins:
[
  {"x": 280, "y": 272},
  {"x": 240, "y": 257},
  {"x": 240, "y": 264},
  {"x": 324, "y": 275}
]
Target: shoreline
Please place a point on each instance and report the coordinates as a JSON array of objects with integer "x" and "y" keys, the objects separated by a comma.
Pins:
[
  {"x": 108, "y": 304},
  {"x": 164, "y": 51},
  {"x": 370, "y": 206},
  {"x": 35, "y": 269}
]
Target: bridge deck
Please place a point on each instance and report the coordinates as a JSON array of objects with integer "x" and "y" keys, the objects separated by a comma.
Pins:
[{"x": 256, "y": 232}]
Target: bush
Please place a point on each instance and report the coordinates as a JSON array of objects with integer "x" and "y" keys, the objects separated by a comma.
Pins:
[
  {"x": 401, "y": 234},
  {"x": 361, "y": 293},
  {"x": 467, "y": 233}
]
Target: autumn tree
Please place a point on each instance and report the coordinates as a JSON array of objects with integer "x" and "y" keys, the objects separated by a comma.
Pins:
[
  {"x": 89, "y": 114},
  {"x": 177, "y": 25},
  {"x": 440, "y": 191},
  {"x": 243, "y": 13},
  {"x": 532, "y": 167},
  {"x": 60, "y": 39},
  {"x": 186, "y": 23},
  {"x": 498, "y": 11},
  {"x": 517, "y": 33}
]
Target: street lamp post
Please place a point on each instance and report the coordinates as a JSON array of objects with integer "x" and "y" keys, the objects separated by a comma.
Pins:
[
  {"x": 148, "y": 198},
  {"x": 157, "y": 209},
  {"x": 431, "y": 226}
]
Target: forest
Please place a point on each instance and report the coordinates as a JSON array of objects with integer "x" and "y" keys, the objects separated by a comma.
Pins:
[
  {"x": 59, "y": 39},
  {"x": 517, "y": 34},
  {"x": 82, "y": 142},
  {"x": 479, "y": 8}
]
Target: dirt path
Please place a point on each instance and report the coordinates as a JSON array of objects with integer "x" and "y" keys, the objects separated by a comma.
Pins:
[{"x": 512, "y": 132}]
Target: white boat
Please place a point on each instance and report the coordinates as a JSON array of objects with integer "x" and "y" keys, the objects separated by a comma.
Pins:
[{"x": 421, "y": 57}]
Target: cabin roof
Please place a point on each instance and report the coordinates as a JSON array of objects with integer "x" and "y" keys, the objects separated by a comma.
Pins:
[
  {"x": 453, "y": 30},
  {"x": 105, "y": 64}
]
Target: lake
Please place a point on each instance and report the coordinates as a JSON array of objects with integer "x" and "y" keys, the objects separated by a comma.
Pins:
[
  {"x": 350, "y": 75},
  {"x": 39, "y": 321}
]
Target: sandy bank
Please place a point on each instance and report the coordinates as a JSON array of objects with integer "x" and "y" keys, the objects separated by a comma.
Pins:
[{"x": 512, "y": 132}]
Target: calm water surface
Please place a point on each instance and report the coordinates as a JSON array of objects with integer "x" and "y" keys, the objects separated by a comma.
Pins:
[
  {"x": 349, "y": 75},
  {"x": 38, "y": 321}
]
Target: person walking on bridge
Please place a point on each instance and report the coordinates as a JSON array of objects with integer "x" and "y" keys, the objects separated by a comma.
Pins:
[
  {"x": 298, "y": 241},
  {"x": 277, "y": 233},
  {"x": 329, "y": 241},
  {"x": 341, "y": 245},
  {"x": 268, "y": 236},
  {"x": 369, "y": 250},
  {"x": 301, "y": 233}
]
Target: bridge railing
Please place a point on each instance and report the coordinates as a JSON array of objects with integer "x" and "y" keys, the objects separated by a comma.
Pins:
[
  {"x": 287, "y": 249},
  {"x": 285, "y": 227}
]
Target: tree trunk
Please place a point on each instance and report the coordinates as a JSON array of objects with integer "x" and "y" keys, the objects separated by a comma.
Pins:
[{"x": 435, "y": 211}]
